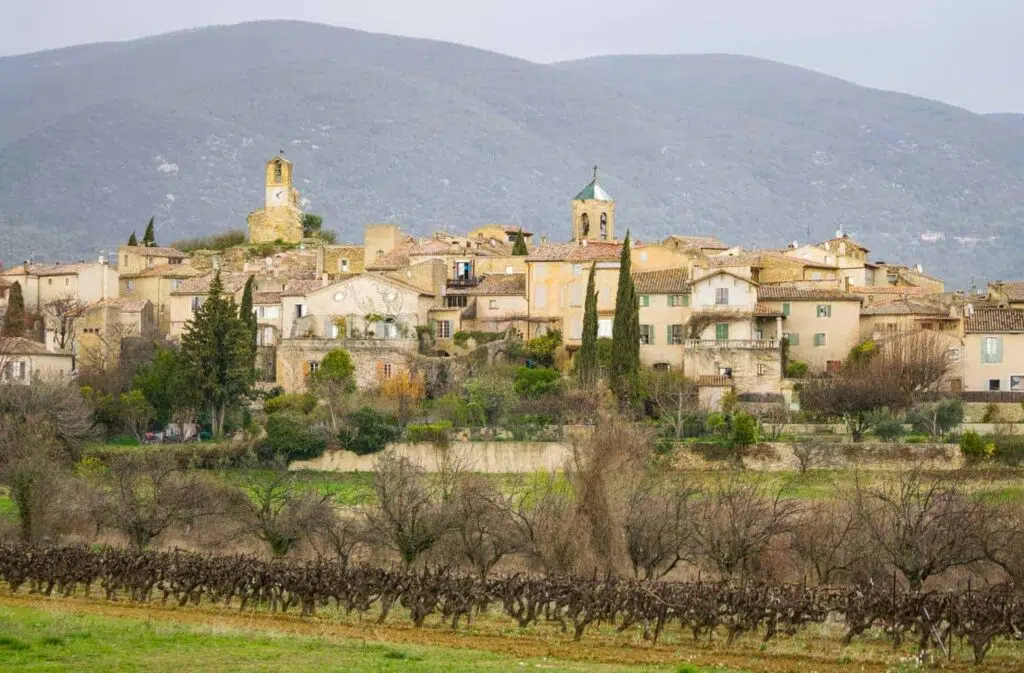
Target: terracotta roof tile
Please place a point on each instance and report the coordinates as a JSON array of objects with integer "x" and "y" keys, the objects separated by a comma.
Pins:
[
  {"x": 1014, "y": 290},
  {"x": 767, "y": 311},
  {"x": 706, "y": 242},
  {"x": 719, "y": 261},
  {"x": 904, "y": 306},
  {"x": 166, "y": 271},
  {"x": 233, "y": 282},
  {"x": 593, "y": 251},
  {"x": 995, "y": 320},
  {"x": 501, "y": 285},
  {"x": 50, "y": 269},
  {"x": 266, "y": 298},
  {"x": 796, "y": 292},
  {"x": 23, "y": 346},
  {"x": 662, "y": 281},
  {"x": 170, "y": 253},
  {"x": 888, "y": 289}
]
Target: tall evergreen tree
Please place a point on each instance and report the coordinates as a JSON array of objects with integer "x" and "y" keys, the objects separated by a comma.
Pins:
[
  {"x": 586, "y": 364},
  {"x": 149, "y": 238},
  {"x": 625, "y": 365},
  {"x": 219, "y": 354},
  {"x": 132, "y": 240},
  {"x": 14, "y": 319},
  {"x": 245, "y": 309},
  {"x": 519, "y": 247}
]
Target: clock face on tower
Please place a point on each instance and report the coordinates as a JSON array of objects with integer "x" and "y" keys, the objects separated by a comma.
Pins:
[{"x": 277, "y": 196}]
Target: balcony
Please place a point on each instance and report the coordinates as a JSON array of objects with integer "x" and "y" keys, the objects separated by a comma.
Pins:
[
  {"x": 731, "y": 344},
  {"x": 472, "y": 281}
]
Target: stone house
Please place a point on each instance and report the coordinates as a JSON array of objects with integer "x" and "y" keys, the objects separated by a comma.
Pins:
[
  {"x": 22, "y": 360},
  {"x": 906, "y": 314},
  {"x": 664, "y": 313},
  {"x": 994, "y": 350},
  {"x": 192, "y": 292},
  {"x": 135, "y": 258},
  {"x": 42, "y": 284},
  {"x": 155, "y": 285},
  {"x": 103, "y": 326},
  {"x": 497, "y": 303},
  {"x": 821, "y": 324}
]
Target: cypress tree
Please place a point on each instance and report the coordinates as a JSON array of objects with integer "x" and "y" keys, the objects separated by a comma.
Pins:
[
  {"x": 625, "y": 363},
  {"x": 245, "y": 308},
  {"x": 219, "y": 355},
  {"x": 586, "y": 364},
  {"x": 149, "y": 238},
  {"x": 519, "y": 248},
  {"x": 14, "y": 319},
  {"x": 132, "y": 241}
]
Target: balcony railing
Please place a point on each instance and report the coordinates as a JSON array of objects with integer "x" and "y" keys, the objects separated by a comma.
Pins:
[
  {"x": 472, "y": 281},
  {"x": 731, "y": 344}
]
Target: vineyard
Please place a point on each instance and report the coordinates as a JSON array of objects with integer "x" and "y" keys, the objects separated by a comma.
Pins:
[{"x": 701, "y": 610}]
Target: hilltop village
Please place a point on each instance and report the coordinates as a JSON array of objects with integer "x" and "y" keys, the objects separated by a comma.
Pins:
[{"x": 729, "y": 318}]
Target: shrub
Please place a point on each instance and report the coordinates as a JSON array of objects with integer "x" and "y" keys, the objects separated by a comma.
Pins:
[
  {"x": 489, "y": 396},
  {"x": 744, "y": 430},
  {"x": 533, "y": 383},
  {"x": 937, "y": 418},
  {"x": 542, "y": 349},
  {"x": 462, "y": 337},
  {"x": 300, "y": 403},
  {"x": 885, "y": 426},
  {"x": 435, "y": 433},
  {"x": 368, "y": 431},
  {"x": 717, "y": 423},
  {"x": 993, "y": 414},
  {"x": 290, "y": 434},
  {"x": 797, "y": 369},
  {"x": 972, "y": 446},
  {"x": 228, "y": 239}
]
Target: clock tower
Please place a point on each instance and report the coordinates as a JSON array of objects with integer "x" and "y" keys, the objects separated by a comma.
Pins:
[{"x": 280, "y": 218}]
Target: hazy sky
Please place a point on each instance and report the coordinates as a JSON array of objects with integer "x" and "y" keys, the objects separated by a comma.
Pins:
[{"x": 965, "y": 52}]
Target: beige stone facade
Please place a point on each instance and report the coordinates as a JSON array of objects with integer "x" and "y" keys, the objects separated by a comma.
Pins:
[
  {"x": 994, "y": 350},
  {"x": 42, "y": 284},
  {"x": 375, "y": 361},
  {"x": 822, "y": 324},
  {"x": 23, "y": 360},
  {"x": 155, "y": 285}
]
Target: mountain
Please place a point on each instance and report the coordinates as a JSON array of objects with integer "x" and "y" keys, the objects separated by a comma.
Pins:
[
  {"x": 96, "y": 139},
  {"x": 1014, "y": 120}
]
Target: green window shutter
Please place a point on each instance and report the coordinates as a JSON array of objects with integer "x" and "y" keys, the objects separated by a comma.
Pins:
[
  {"x": 999, "y": 349},
  {"x": 787, "y": 308},
  {"x": 722, "y": 331},
  {"x": 984, "y": 349},
  {"x": 686, "y": 300},
  {"x": 794, "y": 339},
  {"x": 645, "y": 301},
  {"x": 650, "y": 334},
  {"x": 668, "y": 336}
]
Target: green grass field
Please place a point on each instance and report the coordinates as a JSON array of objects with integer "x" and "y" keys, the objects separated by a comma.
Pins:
[{"x": 59, "y": 640}]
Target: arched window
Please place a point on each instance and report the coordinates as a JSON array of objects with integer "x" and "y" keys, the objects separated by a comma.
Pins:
[
  {"x": 277, "y": 171},
  {"x": 584, "y": 225},
  {"x": 380, "y": 253},
  {"x": 604, "y": 225},
  {"x": 343, "y": 265}
]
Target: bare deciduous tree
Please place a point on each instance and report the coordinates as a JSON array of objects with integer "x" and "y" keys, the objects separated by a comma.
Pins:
[
  {"x": 408, "y": 517},
  {"x": 828, "y": 538},
  {"x": 60, "y": 317},
  {"x": 676, "y": 399},
  {"x": 811, "y": 454},
  {"x": 658, "y": 527}
]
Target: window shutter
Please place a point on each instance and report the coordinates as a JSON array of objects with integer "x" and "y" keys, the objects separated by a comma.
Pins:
[
  {"x": 787, "y": 308},
  {"x": 686, "y": 300},
  {"x": 650, "y": 334},
  {"x": 999, "y": 349}
]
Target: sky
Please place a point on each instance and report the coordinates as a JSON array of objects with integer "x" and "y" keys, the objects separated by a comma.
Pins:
[{"x": 965, "y": 52}]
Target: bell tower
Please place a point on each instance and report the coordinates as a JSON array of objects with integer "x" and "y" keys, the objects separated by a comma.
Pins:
[
  {"x": 280, "y": 218},
  {"x": 593, "y": 213}
]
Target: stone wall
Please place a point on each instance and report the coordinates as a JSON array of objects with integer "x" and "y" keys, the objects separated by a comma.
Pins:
[
  {"x": 368, "y": 355},
  {"x": 876, "y": 456},
  {"x": 268, "y": 225},
  {"x": 491, "y": 457}
]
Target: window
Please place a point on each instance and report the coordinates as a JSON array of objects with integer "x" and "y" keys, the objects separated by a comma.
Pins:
[
  {"x": 67, "y": 281},
  {"x": 49, "y": 281},
  {"x": 1016, "y": 381},
  {"x": 891, "y": 327},
  {"x": 343, "y": 265},
  {"x": 993, "y": 384},
  {"x": 129, "y": 285},
  {"x": 787, "y": 309},
  {"x": 833, "y": 366},
  {"x": 149, "y": 262},
  {"x": 662, "y": 367},
  {"x": 824, "y": 310},
  {"x": 261, "y": 312},
  {"x": 762, "y": 369},
  {"x": 820, "y": 339},
  {"x": 792, "y": 337},
  {"x": 267, "y": 336},
  {"x": 646, "y": 335},
  {"x": 725, "y": 371},
  {"x": 126, "y": 260},
  {"x": 313, "y": 366},
  {"x": 577, "y": 269},
  {"x": 992, "y": 350},
  {"x": 175, "y": 283},
  {"x": 721, "y": 296},
  {"x": 508, "y": 270},
  {"x": 675, "y": 334},
  {"x": 196, "y": 303},
  {"x": 604, "y": 327},
  {"x": 456, "y": 301},
  {"x": 463, "y": 270},
  {"x": 645, "y": 301},
  {"x": 492, "y": 304},
  {"x": 540, "y": 297},
  {"x": 444, "y": 329},
  {"x": 604, "y": 225},
  {"x": 300, "y": 310},
  {"x": 585, "y": 225},
  {"x": 576, "y": 295},
  {"x": 679, "y": 300},
  {"x": 16, "y": 371},
  {"x": 388, "y": 370},
  {"x": 722, "y": 331}
]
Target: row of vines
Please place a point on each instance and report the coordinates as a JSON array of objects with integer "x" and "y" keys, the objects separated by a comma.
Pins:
[{"x": 933, "y": 620}]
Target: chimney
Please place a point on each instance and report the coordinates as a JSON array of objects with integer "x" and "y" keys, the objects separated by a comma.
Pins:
[{"x": 583, "y": 242}]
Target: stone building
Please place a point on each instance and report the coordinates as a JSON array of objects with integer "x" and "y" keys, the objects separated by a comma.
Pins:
[
  {"x": 280, "y": 219},
  {"x": 593, "y": 213},
  {"x": 822, "y": 324}
]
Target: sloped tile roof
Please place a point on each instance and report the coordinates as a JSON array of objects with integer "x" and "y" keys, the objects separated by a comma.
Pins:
[
  {"x": 719, "y": 261},
  {"x": 165, "y": 271},
  {"x": 904, "y": 306},
  {"x": 50, "y": 269},
  {"x": 865, "y": 291},
  {"x": 170, "y": 253},
  {"x": 796, "y": 292},
  {"x": 501, "y": 285},
  {"x": 1014, "y": 290},
  {"x": 233, "y": 282},
  {"x": 995, "y": 320},
  {"x": 266, "y": 298},
  {"x": 662, "y": 281},
  {"x": 766, "y": 312},
  {"x": 705, "y": 242},
  {"x": 593, "y": 251},
  {"x": 125, "y": 304},
  {"x": 297, "y": 287},
  {"x": 23, "y": 346}
]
